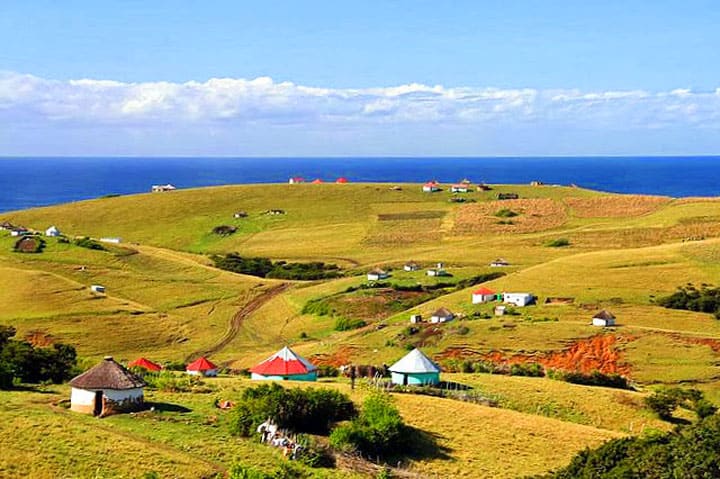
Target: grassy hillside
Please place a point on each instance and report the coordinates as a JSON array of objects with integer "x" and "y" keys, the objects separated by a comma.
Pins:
[{"x": 166, "y": 301}]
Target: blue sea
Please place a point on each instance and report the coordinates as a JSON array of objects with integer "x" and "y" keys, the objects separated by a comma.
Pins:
[{"x": 31, "y": 182}]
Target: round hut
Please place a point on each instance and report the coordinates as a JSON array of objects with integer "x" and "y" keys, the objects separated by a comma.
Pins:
[
  {"x": 202, "y": 367},
  {"x": 285, "y": 365},
  {"x": 106, "y": 389},
  {"x": 415, "y": 369}
]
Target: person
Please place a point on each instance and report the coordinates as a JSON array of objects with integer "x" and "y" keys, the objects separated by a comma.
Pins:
[{"x": 352, "y": 377}]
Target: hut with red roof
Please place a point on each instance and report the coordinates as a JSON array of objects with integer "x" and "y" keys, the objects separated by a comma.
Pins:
[
  {"x": 317, "y": 181},
  {"x": 202, "y": 367},
  {"x": 296, "y": 179},
  {"x": 145, "y": 364},
  {"x": 342, "y": 180},
  {"x": 483, "y": 295},
  {"x": 285, "y": 365},
  {"x": 431, "y": 187}
]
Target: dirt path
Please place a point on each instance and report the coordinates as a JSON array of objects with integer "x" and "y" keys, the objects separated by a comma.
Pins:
[{"x": 238, "y": 318}]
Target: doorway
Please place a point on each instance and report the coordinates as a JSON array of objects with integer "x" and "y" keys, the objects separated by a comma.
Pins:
[{"x": 97, "y": 410}]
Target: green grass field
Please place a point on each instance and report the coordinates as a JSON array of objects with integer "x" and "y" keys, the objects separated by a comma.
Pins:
[{"x": 166, "y": 302}]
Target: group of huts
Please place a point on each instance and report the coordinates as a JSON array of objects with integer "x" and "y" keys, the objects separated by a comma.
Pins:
[
  {"x": 111, "y": 388},
  {"x": 463, "y": 186},
  {"x": 295, "y": 180}
]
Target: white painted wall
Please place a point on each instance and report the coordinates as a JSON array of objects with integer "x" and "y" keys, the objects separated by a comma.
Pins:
[
  {"x": 518, "y": 299},
  {"x": 86, "y": 397}
]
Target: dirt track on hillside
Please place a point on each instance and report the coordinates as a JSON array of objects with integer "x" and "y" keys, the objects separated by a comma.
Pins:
[{"x": 238, "y": 318}]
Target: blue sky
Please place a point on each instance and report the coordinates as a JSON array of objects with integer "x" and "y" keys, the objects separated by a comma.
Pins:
[{"x": 359, "y": 78}]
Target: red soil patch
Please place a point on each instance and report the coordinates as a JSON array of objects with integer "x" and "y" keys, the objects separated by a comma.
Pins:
[
  {"x": 39, "y": 339},
  {"x": 339, "y": 358},
  {"x": 598, "y": 353}
]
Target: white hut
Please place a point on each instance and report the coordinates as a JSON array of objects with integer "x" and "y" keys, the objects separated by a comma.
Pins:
[
  {"x": 52, "y": 231},
  {"x": 518, "y": 299},
  {"x": 499, "y": 263},
  {"x": 483, "y": 295},
  {"x": 604, "y": 318},
  {"x": 106, "y": 389},
  {"x": 377, "y": 274},
  {"x": 442, "y": 315},
  {"x": 97, "y": 288}
]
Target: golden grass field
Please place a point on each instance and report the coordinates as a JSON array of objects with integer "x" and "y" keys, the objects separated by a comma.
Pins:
[{"x": 166, "y": 302}]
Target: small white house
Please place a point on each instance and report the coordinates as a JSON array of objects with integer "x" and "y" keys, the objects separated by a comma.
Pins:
[
  {"x": 603, "y": 319},
  {"x": 436, "y": 272},
  {"x": 411, "y": 266},
  {"x": 296, "y": 179},
  {"x": 106, "y": 389},
  {"x": 431, "y": 187},
  {"x": 97, "y": 288},
  {"x": 52, "y": 232},
  {"x": 111, "y": 240},
  {"x": 483, "y": 295},
  {"x": 19, "y": 232},
  {"x": 161, "y": 188},
  {"x": 500, "y": 310},
  {"x": 499, "y": 263},
  {"x": 518, "y": 299},
  {"x": 460, "y": 188},
  {"x": 416, "y": 318},
  {"x": 442, "y": 315},
  {"x": 377, "y": 274}
]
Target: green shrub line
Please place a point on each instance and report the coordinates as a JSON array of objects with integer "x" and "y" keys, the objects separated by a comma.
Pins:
[
  {"x": 266, "y": 268},
  {"x": 706, "y": 299}
]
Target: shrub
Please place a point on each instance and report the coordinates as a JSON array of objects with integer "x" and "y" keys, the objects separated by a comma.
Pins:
[
  {"x": 224, "y": 230},
  {"x": 595, "y": 378},
  {"x": 558, "y": 243},
  {"x": 506, "y": 213},
  {"x": 345, "y": 324},
  {"x": 328, "y": 371},
  {"x": 663, "y": 402},
  {"x": 170, "y": 382},
  {"x": 378, "y": 431},
  {"x": 89, "y": 243},
  {"x": 21, "y": 362},
  {"x": 704, "y": 300},
  {"x": 534, "y": 370},
  {"x": 301, "y": 410},
  {"x": 264, "y": 267}
]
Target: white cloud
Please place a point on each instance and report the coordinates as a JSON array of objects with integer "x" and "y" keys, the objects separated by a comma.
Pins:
[{"x": 217, "y": 101}]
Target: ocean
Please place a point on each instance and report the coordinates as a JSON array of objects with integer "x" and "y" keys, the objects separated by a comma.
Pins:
[{"x": 32, "y": 182}]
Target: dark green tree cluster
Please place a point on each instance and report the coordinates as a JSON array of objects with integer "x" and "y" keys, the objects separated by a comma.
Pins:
[
  {"x": 665, "y": 401},
  {"x": 89, "y": 243},
  {"x": 705, "y": 299},
  {"x": 266, "y": 268},
  {"x": 687, "y": 452},
  {"x": 21, "y": 362},
  {"x": 301, "y": 410},
  {"x": 379, "y": 430}
]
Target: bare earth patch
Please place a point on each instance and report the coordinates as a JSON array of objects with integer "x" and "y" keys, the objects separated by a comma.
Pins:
[
  {"x": 534, "y": 214},
  {"x": 615, "y": 206}
]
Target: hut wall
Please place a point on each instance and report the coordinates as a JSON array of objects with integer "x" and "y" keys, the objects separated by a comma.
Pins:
[
  {"x": 416, "y": 378},
  {"x": 295, "y": 377}
]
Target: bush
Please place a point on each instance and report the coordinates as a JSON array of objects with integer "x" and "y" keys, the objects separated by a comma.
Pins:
[
  {"x": 266, "y": 268},
  {"x": 21, "y": 362},
  {"x": 534, "y": 370},
  {"x": 378, "y": 431},
  {"x": 345, "y": 324},
  {"x": 88, "y": 243},
  {"x": 558, "y": 243},
  {"x": 167, "y": 381},
  {"x": 301, "y": 410},
  {"x": 704, "y": 300},
  {"x": 328, "y": 371},
  {"x": 663, "y": 402},
  {"x": 506, "y": 213},
  {"x": 224, "y": 230},
  {"x": 595, "y": 378}
]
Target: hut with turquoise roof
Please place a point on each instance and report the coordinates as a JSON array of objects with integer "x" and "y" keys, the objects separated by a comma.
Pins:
[{"x": 415, "y": 369}]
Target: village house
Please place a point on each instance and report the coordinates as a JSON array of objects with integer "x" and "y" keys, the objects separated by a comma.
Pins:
[
  {"x": 442, "y": 315},
  {"x": 416, "y": 318},
  {"x": 202, "y": 367},
  {"x": 145, "y": 364},
  {"x": 19, "y": 231},
  {"x": 499, "y": 263},
  {"x": 317, "y": 181},
  {"x": 341, "y": 180},
  {"x": 296, "y": 179},
  {"x": 240, "y": 214},
  {"x": 603, "y": 318},
  {"x": 97, "y": 288},
  {"x": 536, "y": 183},
  {"x": 518, "y": 299},
  {"x": 275, "y": 212},
  {"x": 28, "y": 244},
  {"x": 161, "y": 188},
  {"x": 431, "y": 187},
  {"x": 483, "y": 295},
  {"x": 6, "y": 225},
  {"x": 285, "y": 365},
  {"x": 52, "y": 232},
  {"x": 411, "y": 266},
  {"x": 415, "y": 368},
  {"x": 107, "y": 388},
  {"x": 483, "y": 187},
  {"x": 377, "y": 274},
  {"x": 438, "y": 270},
  {"x": 460, "y": 188}
]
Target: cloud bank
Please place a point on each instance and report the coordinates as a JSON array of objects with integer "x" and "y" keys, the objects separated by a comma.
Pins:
[{"x": 223, "y": 105}]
